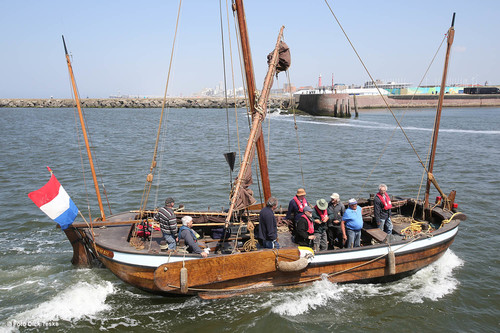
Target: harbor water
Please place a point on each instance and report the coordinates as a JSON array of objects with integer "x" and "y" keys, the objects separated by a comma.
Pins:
[{"x": 41, "y": 291}]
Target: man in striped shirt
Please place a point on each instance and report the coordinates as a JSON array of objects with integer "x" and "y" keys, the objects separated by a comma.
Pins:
[{"x": 168, "y": 223}]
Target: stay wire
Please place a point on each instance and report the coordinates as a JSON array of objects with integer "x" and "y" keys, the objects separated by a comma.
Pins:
[
  {"x": 376, "y": 86},
  {"x": 225, "y": 85},
  {"x": 77, "y": 132},
  {"x": 232, "y": 73},
  {"x": 148, "y": 184},
  {"x": 297, "y": 137},
  {"x": 401, "y": 118}
]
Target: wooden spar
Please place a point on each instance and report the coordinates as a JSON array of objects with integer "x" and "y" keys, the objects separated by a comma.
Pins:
[
  {"x": 84, "y": 131},
  {"x": 430, "y": 177},
  {"x": 256, "y": 130},
  {"x": 251, "y": 87}
]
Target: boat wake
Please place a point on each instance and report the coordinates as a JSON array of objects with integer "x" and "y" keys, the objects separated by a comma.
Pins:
[
  {"x": 430, "y": 283},
  {"x": 371, "y": 124},
  {"x": 81, "y": 300}
]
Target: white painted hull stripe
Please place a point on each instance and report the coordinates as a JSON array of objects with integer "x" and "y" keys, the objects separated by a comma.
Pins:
[{"x": 146, "y": 260}]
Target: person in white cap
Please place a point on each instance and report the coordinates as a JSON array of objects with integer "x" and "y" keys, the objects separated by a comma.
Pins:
[
  {"x": 352, "y": 223},
  {"x": 335, "y": 212}
]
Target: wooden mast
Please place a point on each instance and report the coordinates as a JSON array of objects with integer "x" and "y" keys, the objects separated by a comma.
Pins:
[
  {"x": 84, "y": 131},
  {"x": 256, "y": 130},
  {"x": 430, "y": 177},
  {"x": 250, "y": 78}
]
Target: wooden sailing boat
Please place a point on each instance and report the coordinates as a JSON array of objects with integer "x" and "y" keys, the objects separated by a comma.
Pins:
[{"x": 228, "y": 273}]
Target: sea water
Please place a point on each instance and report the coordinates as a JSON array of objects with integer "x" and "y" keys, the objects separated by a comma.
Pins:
[{"x": 41, "y": 290}]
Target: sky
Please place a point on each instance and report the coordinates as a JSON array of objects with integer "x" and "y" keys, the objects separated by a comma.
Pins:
[{"x": 123, "y": 47}]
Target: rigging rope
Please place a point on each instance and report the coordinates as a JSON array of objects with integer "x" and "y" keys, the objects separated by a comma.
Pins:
[
  {"x": 376, "y": 86},
  {"x": 149, "y": 178},
  {"x": 225, "y": 86},
  {"x": 404, "y": 113}
]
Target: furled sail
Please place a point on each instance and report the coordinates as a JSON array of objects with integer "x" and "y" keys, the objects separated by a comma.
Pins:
[{"x": 284, "y": 60}]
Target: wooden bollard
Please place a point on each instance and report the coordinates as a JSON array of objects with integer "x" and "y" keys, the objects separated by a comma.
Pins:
[{"x": 356, "y": 115}]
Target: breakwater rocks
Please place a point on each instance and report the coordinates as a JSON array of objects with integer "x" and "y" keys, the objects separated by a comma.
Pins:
[{"x": 173, "y": 102}]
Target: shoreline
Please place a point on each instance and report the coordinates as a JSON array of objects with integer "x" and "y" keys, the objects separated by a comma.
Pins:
[{"x": 363, "y": 102}]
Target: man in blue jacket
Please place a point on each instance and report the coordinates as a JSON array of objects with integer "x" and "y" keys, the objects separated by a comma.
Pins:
[{"x": 352, "y": 223}]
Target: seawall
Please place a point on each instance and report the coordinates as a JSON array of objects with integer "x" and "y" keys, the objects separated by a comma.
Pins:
[
  {"x": 363, "y": 102},
  {"x": 174, "y": 102}
]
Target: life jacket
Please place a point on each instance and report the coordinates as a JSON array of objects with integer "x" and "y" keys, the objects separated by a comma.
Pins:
[
  {"x": 301, "y": 205},
  {"x": 386, "y": 201},
  {"x": 321, "y": 214},
  {"x": 310, "y": 225}
]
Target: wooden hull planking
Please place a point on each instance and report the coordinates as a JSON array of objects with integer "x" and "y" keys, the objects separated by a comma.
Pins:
[{"x": 232, "y": 274}]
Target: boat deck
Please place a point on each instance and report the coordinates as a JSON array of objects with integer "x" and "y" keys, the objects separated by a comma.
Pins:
[{"x": 115, "y": 238}]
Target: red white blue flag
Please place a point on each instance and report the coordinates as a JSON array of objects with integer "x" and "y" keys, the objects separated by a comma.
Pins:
[{"x": 53, "y": 200}]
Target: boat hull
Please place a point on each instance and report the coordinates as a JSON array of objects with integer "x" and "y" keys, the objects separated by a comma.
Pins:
[{"x": 232, "y": 274}]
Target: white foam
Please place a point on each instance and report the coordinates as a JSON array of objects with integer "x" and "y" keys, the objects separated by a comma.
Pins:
[
  {"x": 319, "y": 294},
  {"x": 376, "y": 125},
  {"x": 434, "y": 281},
  {"x": 430, "y": 283},
  {"x": 78, "y": 301}
]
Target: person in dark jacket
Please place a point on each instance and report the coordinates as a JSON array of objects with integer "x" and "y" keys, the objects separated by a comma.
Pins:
[
  {"x": 268, "y": 228},
  {"x": 336, "y": 210},
  {"x": 190, "y": 237},
  {"x": 382, "y": 206},
  {"x": 168, "y": 223},
  {"x": 304, "y": 233}
]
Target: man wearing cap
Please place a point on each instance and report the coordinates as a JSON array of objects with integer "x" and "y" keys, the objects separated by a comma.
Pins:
[
  {"x": 335, "y": 212},
  {"x": 320, "y": 217},
  {"x": 352, "y": 223},
  {"x": 296, "y": 206},
  {"x": 304, "y": 232},
  {"x": 268, "y": 228},
  {"x": 168, "y": 223},
  {"x": 382, "y": 209}
]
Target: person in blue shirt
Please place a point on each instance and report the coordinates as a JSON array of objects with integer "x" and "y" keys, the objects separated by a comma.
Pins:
[{"x": 352, "y": 223}]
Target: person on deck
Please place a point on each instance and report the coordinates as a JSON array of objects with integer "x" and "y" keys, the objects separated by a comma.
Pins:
[
  {"x": 304, "y": 233},
  {"x": 190, "y": 236},
  {"x": 320, "y": 217},
  {"x": 335, "y": 212},
  {"x": 382, "y": 209},
  {"x": 268, "y": 228},
  {"x": 168, "y": 223},
  {"x": 296, "y": 206},
  {"x": 352, "y": 223}
]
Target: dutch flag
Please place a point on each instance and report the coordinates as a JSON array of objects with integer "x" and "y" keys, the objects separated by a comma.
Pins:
[{"x": 53, "y": 200}]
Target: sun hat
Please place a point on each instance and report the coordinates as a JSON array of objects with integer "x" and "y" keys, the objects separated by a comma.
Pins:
[
  {"x": 335, "y": 196},
  {"x": 301, "y": 191},
  {"x": 322, "y": 204}
]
